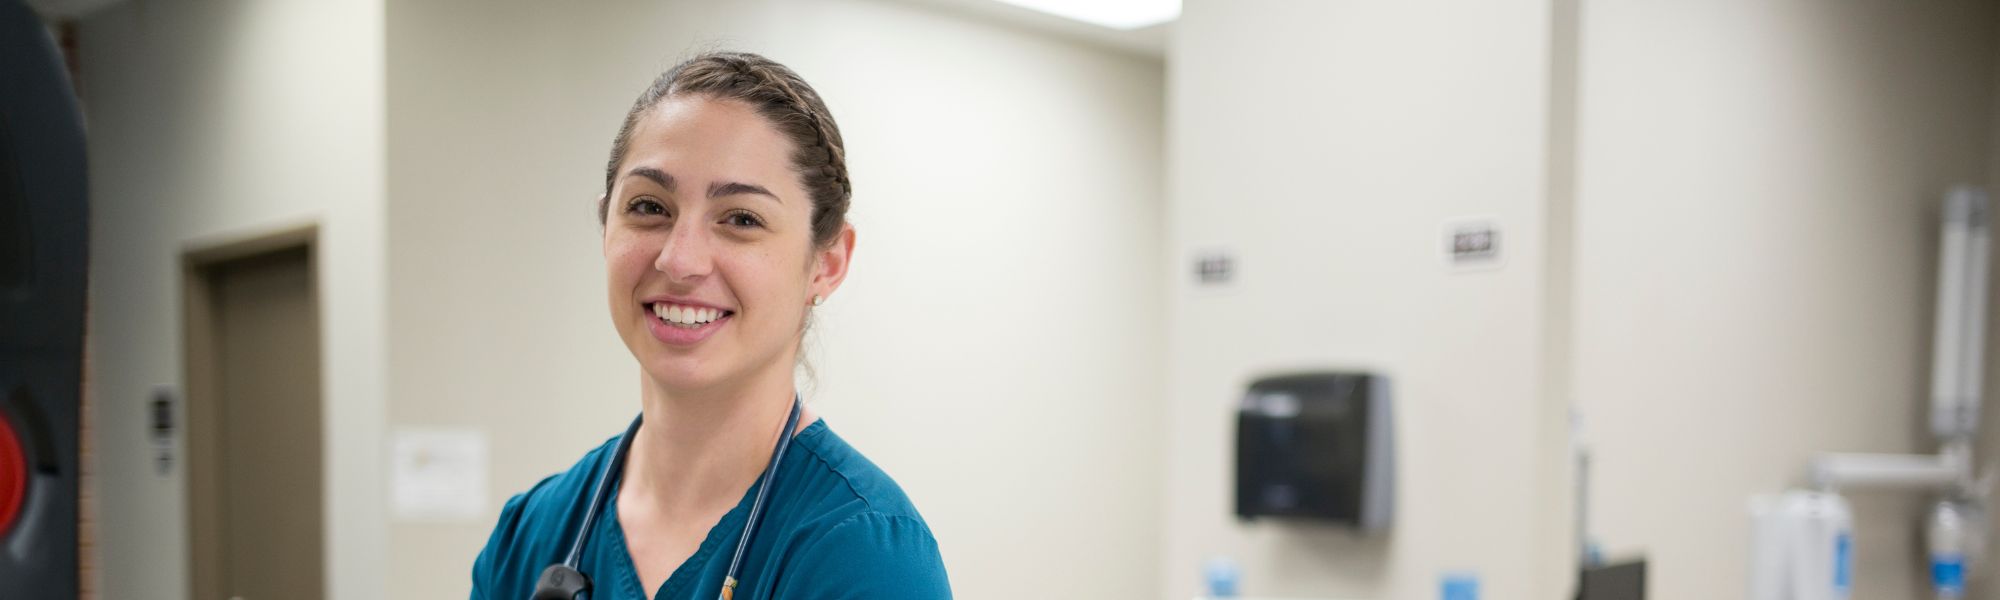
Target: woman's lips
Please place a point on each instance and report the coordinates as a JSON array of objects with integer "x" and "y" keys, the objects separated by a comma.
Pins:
[{"x": 684, "y": 324}]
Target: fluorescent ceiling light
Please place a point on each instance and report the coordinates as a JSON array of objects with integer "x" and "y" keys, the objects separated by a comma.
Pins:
[{"x": 1116, "y": 14}]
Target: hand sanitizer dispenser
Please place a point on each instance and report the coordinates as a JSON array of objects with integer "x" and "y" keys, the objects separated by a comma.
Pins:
[{"x": 1317, "y": 446}]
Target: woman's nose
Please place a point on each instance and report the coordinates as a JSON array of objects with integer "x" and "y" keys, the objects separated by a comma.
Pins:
[{"x": 686, "y": 253}]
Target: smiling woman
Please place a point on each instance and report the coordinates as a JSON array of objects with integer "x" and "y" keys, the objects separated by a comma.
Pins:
[{"x": 724, "y": 216}]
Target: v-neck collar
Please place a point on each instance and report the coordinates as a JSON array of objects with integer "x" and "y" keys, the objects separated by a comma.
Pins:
[
  {"x": 723, "y": 535},
  {"x": 688, "y": 573}
]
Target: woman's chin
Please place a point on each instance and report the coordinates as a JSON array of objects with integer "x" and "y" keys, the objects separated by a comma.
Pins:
[{"x": 682, "y": 374}]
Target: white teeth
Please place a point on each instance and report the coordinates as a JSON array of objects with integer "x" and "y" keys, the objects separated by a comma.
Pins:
[{"x": 685, "y": 315}]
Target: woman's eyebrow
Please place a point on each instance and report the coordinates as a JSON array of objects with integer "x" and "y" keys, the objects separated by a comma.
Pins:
[
  {"x": 715, "y": 190},
  {"x": 660, "y": 177},
  {"x": 720, "y": 189}
]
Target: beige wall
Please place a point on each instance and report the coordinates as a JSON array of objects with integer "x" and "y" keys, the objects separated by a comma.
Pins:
[
  {"x": 1756, "y": 249},
  {"x": 996, "y": 348},
  {"x": 1745, "y": 235},
  {"x": 1731, "y": 268},
  {"x": 206, "y": 121},
  {"x": 1988, "y": 454},
  {"x": 1327, "y": 144}
]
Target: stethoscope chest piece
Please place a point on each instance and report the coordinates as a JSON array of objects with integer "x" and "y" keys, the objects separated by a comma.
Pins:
[{"x": 560, "y": 582}]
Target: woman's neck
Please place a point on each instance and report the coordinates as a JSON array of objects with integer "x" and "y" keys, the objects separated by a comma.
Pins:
[{"x": 698, "y": 451}]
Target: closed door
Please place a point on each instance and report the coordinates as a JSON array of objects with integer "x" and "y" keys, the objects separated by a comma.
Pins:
[{"x": 263, "y": 501}]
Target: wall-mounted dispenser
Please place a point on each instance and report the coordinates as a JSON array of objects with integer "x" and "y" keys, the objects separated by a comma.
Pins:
[{"x": 1317, "y": 446}]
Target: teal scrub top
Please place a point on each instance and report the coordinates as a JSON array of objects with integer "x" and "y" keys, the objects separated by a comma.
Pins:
[{"x": 834, "y": 527}]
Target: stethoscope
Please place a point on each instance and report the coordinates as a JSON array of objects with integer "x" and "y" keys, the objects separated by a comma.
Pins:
[{"x": 563, "y": 581}]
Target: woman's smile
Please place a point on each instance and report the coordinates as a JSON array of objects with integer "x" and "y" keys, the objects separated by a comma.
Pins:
[
  {"x": 684, "y": 323},
  {"x": 725, "y": 223}
]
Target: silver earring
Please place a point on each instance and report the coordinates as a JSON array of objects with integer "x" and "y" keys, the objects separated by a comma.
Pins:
[{"x": 817, "y": 299}]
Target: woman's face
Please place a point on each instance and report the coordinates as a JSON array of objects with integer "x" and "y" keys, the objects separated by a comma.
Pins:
[{"x": 708, "y": 246}]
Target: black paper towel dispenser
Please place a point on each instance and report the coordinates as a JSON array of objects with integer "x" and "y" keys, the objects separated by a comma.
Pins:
[{"x": 1317, "y": 446}]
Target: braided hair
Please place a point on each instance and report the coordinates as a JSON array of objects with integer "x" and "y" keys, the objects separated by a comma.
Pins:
[{"x": 783, "y": 98}]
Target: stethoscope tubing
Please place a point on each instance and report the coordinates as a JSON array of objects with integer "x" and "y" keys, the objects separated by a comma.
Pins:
[
  {"x": 614, "y": 469},
  {"x": 757, "y": 504},
  {"x": 612, "y": 472}
]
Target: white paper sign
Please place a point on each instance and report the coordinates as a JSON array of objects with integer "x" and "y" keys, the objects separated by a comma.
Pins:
[{"x": 439, "y": 474}]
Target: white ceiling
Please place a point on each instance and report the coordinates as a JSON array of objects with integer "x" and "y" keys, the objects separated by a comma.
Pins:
[{"x": 1150, "y": 42}]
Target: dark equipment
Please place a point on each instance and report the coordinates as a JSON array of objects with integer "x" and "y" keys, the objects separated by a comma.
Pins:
[
  {"x": 1622, "y": 581},
  {"x": 1317, "y": 446},
  {"x": 43, "y": 229}
]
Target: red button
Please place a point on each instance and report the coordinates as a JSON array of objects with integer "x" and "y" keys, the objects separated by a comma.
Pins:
[{"x": 13, "y": 475}]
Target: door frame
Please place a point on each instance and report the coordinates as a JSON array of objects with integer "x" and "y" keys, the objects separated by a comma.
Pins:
[{"x": 203, "y": 454}]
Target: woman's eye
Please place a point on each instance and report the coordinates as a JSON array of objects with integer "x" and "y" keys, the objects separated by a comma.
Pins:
[
  {"x": 742, "y": 220},
  {"x": 646, "y": 206}
]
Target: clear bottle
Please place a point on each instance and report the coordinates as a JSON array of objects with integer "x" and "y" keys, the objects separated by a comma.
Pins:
[{"x": 1948, "y": 533}]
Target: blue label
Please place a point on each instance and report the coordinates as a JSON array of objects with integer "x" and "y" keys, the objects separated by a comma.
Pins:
[
  {"x": 1948, "y": 573},
  {"x": 1461, "y": 587},
  {"x": 1222, "y": 577},
  {"x": 1843, "y": 562}
]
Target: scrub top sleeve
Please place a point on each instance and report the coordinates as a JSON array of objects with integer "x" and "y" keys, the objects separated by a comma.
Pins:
[
  {"x": 869, "y": 556},
  {"x": 494, "y": 557}
]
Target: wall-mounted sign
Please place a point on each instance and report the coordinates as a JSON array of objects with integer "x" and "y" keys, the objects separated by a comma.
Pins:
[
  {"x": 1472, "y": 243},
  {"x": 160, "y": 427},
  {"x": 438, "y": 474},
  {"x": 1214, "y": 268}
]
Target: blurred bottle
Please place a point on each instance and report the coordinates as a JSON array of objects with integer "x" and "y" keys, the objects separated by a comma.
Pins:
[
  {"x": 1948, "y": 533},
  {"x": 1222, "y": 577},
  {"x": 1803, "y": 547},
  {"x": 1459, "y": 586}
]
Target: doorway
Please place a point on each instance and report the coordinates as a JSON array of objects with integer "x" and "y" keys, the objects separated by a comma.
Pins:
[{"x": 254, "y": 428}]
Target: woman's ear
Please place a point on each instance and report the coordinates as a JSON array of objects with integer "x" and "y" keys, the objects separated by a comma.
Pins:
[
  {"x": 602, "y": 226},
  {"x": 830, "y": 263}
]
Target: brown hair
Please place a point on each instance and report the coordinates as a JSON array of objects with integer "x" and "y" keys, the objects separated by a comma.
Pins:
[{"x": 783, "y": 98}]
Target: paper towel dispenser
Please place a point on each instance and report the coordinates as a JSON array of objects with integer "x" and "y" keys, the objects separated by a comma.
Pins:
[{"x": 1317, "y": 446}]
